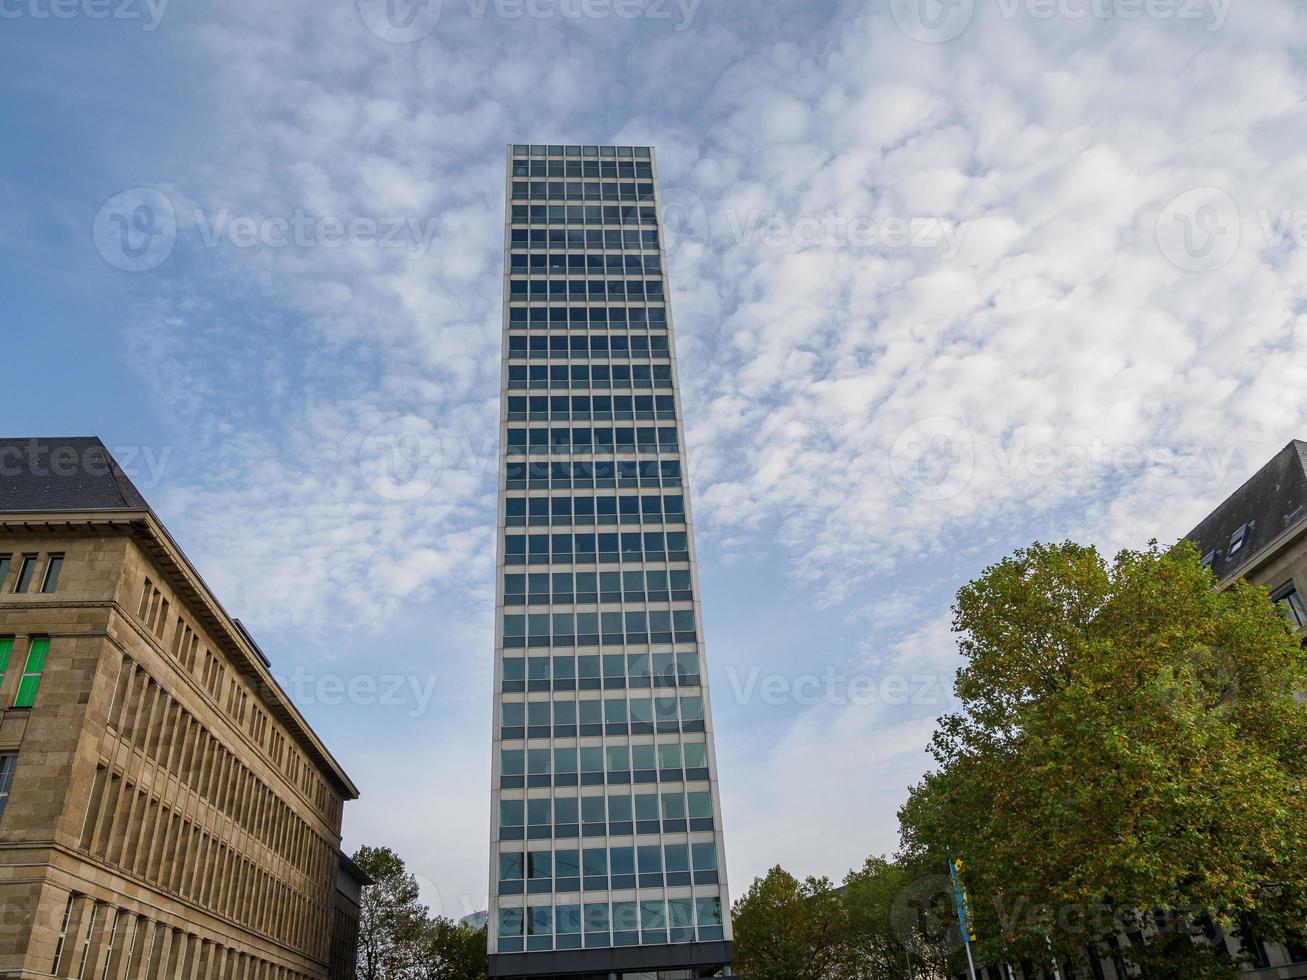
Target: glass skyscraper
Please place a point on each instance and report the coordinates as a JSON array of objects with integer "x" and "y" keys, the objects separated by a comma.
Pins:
[{"x": 606, "y": 832}]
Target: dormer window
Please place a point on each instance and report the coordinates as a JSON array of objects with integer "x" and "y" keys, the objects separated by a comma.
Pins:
[
  {"x": 1208, "y": 559},
  {"x": 1238, "y": 539}
]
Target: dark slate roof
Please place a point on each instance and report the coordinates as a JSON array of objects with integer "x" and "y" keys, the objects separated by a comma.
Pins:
[
  {"x": 1273, "y": 500},
  {"x": 353, "y": 870},
  {"x": 72, "y": 473}
]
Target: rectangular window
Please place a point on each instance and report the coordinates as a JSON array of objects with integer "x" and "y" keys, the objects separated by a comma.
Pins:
[
  {"x": 35, "y": 667},
  {"x": 709, "y": 916},
  {"x": 52, "y": 570},
  {"x": 86, "y": 943},
  {"x": 5, "y": 562},
  {"x": 1290, "y": 603},
  {"x": 113, "y": 940},
  {"x": 63, "y": 934},
  {"x": 510, "y": 925},
  {"x": 6, "y": 650},
  {"x": 1238, "y": 539},
  {"x": 511, "y": 866},
  {"x": 7, "y": 765},
  {"x": 1296, "y": 946},
  {"x": 26, "y": 572}
]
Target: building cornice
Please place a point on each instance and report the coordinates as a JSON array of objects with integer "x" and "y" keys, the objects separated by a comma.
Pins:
[{"x": 151, "y": 535}]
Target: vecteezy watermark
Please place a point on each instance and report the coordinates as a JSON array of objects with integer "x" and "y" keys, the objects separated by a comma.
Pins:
[
  {"x": 1199, "y": 230},
  {"x": 401, "y": 458},
  {"x": 940, "y": 21},
  {"x": 1282, "y": 228},
  {"x": 680, "y": 13},
  {"x": 144, "y": 465},
  {"x": 1211, "y": 13},
  {"x": 923, "y": 915},
  {"x": 1081, "y": 921},
  {"x": 148, "y": 12},
  {"x": 688, "y": 226},
  {"x": 404, "y": 458},
  {"x": 685, "y": 227},
  {"x": 933, "y": 21},
  {"x": 1043, "y": 460},
  {"x": 303, "y": 230},
  {"x": 936, "y": 459},
  {"x": 1202, "y": 229},
  {"x": 138, "y": 230},
  {"x": 838, "y": 231},
  {"x": 840, "y": 688},
  {"x": 406, "y": 21},
  {"x": 400, "y": 21},
  {"x": 412, "y": 692}
]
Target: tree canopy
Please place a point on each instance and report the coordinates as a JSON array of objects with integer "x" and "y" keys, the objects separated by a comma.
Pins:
[
  {"x": 1128, "y": 745},
  {"x": 786, "y": 929},
  {"x": 399, "y": 940}
]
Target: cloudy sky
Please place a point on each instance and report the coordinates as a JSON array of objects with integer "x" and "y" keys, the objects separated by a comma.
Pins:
[{"x": 948, "y": 277}]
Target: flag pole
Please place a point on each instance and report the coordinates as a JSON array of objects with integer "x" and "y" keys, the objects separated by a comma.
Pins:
[
  {"x": 1057, "y": 973},
  {"x": 971, "y": 964},
  {"x": 960, "y": 897}
]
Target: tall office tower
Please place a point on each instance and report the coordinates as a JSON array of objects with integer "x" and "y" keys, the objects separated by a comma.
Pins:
[{"x": 606, "y": 837}]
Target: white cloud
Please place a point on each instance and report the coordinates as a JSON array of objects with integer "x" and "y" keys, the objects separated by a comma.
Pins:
[{"x": 1059, "y": 337}]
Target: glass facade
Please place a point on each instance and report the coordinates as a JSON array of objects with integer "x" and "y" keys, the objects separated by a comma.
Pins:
[{"x": 606, "y": 822}]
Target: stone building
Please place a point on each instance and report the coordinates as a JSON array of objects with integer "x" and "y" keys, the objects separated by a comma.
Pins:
[
  {"x": 1259, "y": 533},
  {"x": 165, "y": 811},
  {"x": 350, "y": 882}
]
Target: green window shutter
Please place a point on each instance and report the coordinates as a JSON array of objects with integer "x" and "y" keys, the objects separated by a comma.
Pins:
[
  {"x": 6, "y": 648},
  {"x": 36, "y": 658}
]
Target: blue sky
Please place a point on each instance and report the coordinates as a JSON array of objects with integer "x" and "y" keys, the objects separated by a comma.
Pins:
[{"x": 947, "y": 278}]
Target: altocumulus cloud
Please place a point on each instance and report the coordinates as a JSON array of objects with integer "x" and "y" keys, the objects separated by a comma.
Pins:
[{"x": 860, "y": 398}]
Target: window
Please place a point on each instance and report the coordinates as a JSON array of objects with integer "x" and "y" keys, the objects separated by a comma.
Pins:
[
  {"x": 567, "y": 926},
  {"x": 6, "y": 649},
  {"x": 709, "y": 915},
  {"x": 7, "y": 765},
  {"x": 510, "y": 922},
  {"x": 1290, "y": 603},
  {"x": 1238, "y": 539},
  {"x": 540, "y": 927},
  {"x": 36, "y": 657},
  {"x": 699, "y": 806},
  {"x": 5, "y": 562},
  {"x": 90, "y": 937},
  {"x": 26, "y": 571},
  {"x": 705, "y": 863},
  {"x": 596, "y": 922},
  {"x": 680, "y": 915},
  {"x": 63, "y": 934},
  {"x": 113, "y": 940},
  {"x": 1296, "y": 946},
  {"x": 52, "y": 570}
]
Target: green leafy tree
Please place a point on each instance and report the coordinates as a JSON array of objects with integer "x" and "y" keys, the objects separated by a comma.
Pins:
[
  {"x": 786, "y": 929},
  {"x": 392, "y": 921},
  {"x": 449, "y": 951},
  {"x": 900, "y": 919},
  {"x": 1128, "y": 740}
]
